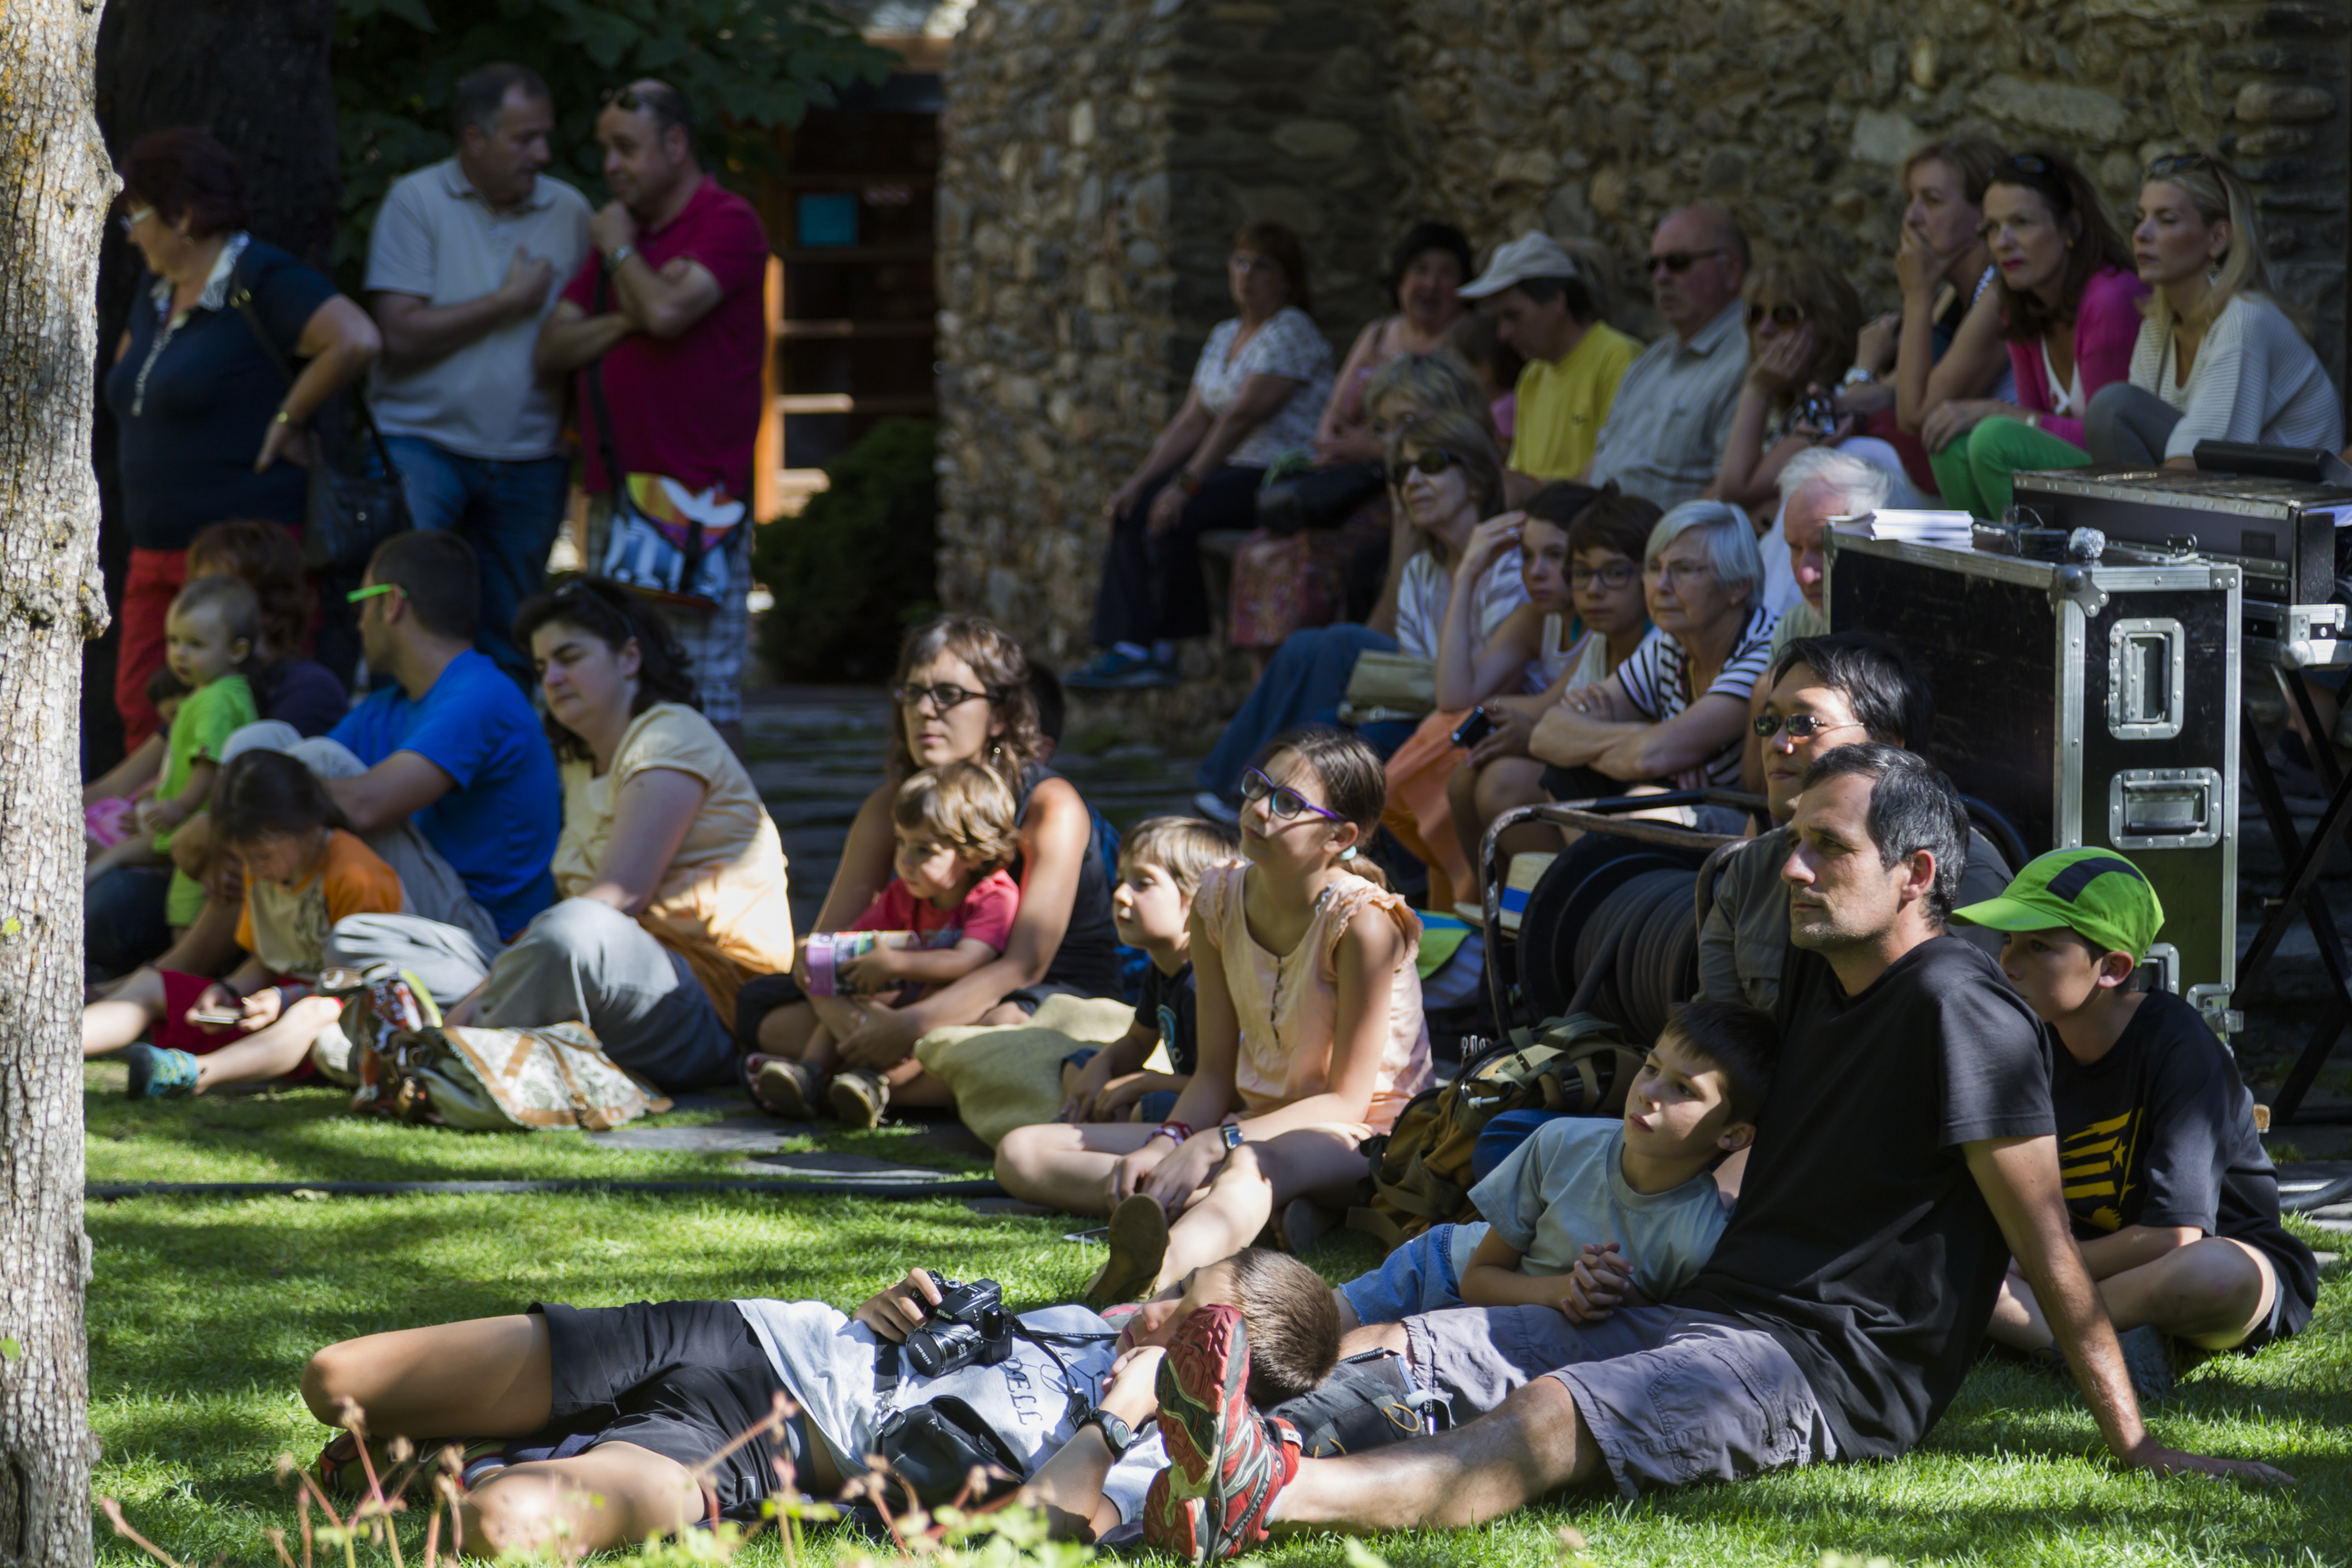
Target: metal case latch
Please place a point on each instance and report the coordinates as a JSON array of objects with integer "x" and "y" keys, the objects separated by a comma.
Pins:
[
  {"x": 2147, "y": 669},
  {"x": 2164, "y": 808}
]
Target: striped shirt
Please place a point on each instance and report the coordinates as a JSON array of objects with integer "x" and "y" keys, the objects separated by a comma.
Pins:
[
  {"x": 1657, "y": 680},
  {"x": 2254, "y": 380}
]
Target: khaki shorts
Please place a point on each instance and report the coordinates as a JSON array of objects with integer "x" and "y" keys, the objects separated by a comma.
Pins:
[{"x": 1673, "y": 1397}]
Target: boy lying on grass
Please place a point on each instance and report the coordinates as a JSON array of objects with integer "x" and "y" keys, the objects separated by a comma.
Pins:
[
  {"x": 2172, "y": 1196},
  {"x": 1590, "y": 1213},
  {"x": 646, "y": 1393}
]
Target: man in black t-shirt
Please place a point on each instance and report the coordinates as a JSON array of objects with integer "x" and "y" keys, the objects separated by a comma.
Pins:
[
  {"x": 1906, "y": 1152},
  {"x": 2173, "y": 1199}
]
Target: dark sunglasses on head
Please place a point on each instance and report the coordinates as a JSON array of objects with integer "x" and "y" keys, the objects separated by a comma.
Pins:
[
  {"x": 1286, "y": 802},
  {"x": 2029, "y": 163},
  {"x": 628, "y": 99},
  {"x": 940, "y": 698},
  {"x": 1433, "y": 462},
  {"x": 2175, "y": 163},
  {"x": 1783, "y": 314},
  {"x": 1801, "y": 726},
  {"x": 1681, "y": 261}
]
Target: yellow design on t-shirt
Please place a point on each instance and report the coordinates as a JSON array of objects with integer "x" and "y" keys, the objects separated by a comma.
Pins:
[{"x": 2095, "y": 1163}]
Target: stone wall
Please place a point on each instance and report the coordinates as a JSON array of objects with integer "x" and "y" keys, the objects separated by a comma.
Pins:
[{"x": 1099, "y": 155}]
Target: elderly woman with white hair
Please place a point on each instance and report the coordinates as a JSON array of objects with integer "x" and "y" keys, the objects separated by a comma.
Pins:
[{"x": 1675, "y": 711}]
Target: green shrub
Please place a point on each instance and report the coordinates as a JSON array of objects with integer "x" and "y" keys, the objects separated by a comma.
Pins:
[{"x": 860, "y": 564}]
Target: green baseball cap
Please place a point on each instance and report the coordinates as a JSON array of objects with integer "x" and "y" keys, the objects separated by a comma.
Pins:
[{"x": 2095, "y": 892}]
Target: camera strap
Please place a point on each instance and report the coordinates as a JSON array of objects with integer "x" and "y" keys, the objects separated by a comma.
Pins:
[{"x": 887, "y": 1375}]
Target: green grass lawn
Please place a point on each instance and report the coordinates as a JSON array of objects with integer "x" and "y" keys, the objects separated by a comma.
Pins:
[{"x": 202, "y": 1311}]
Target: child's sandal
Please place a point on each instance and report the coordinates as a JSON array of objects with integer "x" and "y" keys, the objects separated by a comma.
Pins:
[{"x": 159, "y": 1072}]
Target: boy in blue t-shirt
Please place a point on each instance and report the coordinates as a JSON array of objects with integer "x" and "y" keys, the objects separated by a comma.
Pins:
[
  {"x": 1592, "y": 1214},
  {"x": 499, "y": 807}
]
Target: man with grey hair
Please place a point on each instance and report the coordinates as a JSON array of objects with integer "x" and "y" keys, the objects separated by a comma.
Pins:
[
  {"x": 1666, "y": 430},
  {"x": 461, "y": 269},
  {"x": 1816, "y": 485}
]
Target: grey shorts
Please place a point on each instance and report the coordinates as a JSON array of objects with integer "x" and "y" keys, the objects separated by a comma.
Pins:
[{"x": 1673, "y": 1397}]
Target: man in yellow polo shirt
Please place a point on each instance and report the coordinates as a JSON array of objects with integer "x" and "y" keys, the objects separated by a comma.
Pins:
[{"x": 1547, "y": 306}]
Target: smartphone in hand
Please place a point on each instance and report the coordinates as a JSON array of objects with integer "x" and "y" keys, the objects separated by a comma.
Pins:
[{"x": 1474, "y": 729}]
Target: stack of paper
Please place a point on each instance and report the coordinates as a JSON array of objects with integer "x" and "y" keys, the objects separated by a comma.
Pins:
[{"x": 1953, "y": 527}]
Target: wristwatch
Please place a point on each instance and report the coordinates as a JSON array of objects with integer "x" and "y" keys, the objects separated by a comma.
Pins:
[
  {"x": 1117, "y": 1434},
  {"x": 612, "y": 262},
  {"x": 1230, "y": 1132}
]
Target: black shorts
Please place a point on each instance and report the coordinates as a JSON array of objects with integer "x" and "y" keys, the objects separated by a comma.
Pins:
[{"x": 681, "y": 1378}]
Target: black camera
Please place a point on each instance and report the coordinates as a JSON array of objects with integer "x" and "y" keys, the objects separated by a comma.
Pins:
[
  {"x": 1819, "y": 410},
  {"x": 969, "y": 1326}
]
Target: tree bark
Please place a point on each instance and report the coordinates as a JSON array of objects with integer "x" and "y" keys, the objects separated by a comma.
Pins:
[
  {"x": 55, "y": 188},
  {"x": 257, "y": 74}
]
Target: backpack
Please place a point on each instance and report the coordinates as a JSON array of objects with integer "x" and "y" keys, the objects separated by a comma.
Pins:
[{"x": 1578, "y": 1065}]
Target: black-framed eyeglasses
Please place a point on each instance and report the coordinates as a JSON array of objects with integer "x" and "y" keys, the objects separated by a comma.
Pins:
[
  {"x": 2174, "y": 163},
  {"x": 1433, "y": 462},
  {"x": 1801, "y": 726},
  {"x": 1619, "y": 575},
  {"x": 1681, "y": 261},
  {"x": 1287, "y": 804},
  {"x": 1784, "y": 315},
  {"x": 941, "y": 698}
]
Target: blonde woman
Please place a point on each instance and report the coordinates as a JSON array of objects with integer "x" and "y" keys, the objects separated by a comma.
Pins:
[
  {"x": 1804, "y": 319},
  {"x": 2217, "y": 359}
]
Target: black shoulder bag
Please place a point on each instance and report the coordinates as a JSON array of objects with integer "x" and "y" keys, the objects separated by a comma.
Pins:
[{"x": 347, "y": 510}]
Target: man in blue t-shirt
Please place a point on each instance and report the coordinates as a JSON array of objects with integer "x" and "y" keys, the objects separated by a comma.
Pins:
[{"x": 446, "y": 736}]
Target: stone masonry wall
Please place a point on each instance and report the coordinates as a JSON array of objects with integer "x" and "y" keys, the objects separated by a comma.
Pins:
[{"x": 1099, "y": 155}]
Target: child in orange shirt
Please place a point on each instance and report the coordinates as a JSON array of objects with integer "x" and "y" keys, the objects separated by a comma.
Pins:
[{"x": 304, "y": 871}]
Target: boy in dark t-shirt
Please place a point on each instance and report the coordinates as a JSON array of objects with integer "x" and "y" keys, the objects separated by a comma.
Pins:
[
  {"x": 2172, "y": 1198},
  {"x": 1160, "y": 869}
]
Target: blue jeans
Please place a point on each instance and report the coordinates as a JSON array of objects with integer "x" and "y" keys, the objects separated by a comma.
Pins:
[
  {"x": 1304, "y": 685},
  {"x": 509, "y": 511},
  {"x": 1418, "y": 1277}
]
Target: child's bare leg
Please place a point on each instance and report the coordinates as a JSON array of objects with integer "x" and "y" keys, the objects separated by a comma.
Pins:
[
  {"x": 110, "y": 1026},
  {"x": 490, "y": 1377},
  {"x": 787, "y": 1030},
  {"x": 911, "y": 1084},
  {"x": 615, "y": 1495},
  {"x": 269, "y": 1053},
  {"x": 1244, "y": 1194},
  {"x": 1065, "y": 1166}
]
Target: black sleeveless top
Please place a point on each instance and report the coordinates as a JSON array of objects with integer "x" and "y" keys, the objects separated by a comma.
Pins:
[{"x": 1087, "y": 960}]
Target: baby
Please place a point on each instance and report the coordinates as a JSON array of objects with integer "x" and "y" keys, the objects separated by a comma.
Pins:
[
  {"x": 955, "y": 830},
  {"x": 209, "y": 636}
]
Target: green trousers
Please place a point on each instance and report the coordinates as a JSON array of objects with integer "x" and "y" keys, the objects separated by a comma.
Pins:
[{"x": 1973, "y": 472}]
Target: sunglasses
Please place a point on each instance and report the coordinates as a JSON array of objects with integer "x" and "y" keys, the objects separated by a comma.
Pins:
[
  {"x": 132, "y": 220},
  {"x": 1784, "y": 315},
  {"x": 2031, "y": 165},
  {"x": 1616, "y": 576},
  {"x": 2175, "y": 163},
  {"x": 1681, "y": 261},
  {"x": 1801, "y": 726},
  {"x": 1287, "y": 804},
  {"x": 1433, "y": 462},
  {"x": 940, "y": 698}
]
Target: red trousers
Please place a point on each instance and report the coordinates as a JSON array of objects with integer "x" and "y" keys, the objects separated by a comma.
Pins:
[{"x": 156, "y": 578}]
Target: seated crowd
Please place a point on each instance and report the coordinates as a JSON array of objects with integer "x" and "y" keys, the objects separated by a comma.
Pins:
[{"x": 1837, "y": 1172}]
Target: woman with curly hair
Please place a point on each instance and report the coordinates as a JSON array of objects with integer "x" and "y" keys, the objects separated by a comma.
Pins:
[
  {"x": 964, "y": 695},
  {"x": 669, "y": 874}
]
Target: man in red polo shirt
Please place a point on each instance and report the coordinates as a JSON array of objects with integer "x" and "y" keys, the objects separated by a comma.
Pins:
[{"x": 668, "y": 314}]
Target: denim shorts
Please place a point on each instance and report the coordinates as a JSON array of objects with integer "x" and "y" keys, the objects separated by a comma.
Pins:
[{"x": 1424, "y": 1275}]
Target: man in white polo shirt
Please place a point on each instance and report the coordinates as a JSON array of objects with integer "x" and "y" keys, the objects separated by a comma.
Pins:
[{"x": 462, "y": 267}]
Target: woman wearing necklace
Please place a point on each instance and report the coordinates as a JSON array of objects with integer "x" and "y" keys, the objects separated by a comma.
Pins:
[
  {"x": 2067, "y": 307},
  {"x": 1263, "y": 379},
  {"x": 208, "y": 427},
  {"x": 2217, "y": 359}
]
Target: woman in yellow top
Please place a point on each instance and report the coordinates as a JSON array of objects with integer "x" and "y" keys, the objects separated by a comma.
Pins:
[{"x": 670, "y": 871}]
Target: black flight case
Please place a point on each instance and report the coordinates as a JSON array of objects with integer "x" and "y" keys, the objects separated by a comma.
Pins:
[{"x": 2093, "y": 701}]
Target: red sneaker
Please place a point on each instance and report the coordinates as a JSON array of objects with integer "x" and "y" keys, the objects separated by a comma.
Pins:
[{"x": 1226, "y": 1462}]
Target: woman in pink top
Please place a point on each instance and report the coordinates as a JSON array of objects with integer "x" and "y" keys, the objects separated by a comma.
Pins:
[
  {"x": 2067, "y": 304},
  {"x": 1310, "y": 1031}
]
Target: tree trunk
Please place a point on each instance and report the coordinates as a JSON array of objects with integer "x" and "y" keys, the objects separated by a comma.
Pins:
[
  {"x": 55, "y": 187},
  {"x": 256, "y": 73}
]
